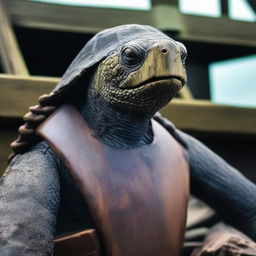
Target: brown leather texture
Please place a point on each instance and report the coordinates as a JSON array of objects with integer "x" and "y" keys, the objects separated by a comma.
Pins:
[
  {"x": 84, "y": 243},
  {"x": 137, "y": 197}
]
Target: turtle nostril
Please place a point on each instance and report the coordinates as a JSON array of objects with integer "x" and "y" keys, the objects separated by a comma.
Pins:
[{"x": 164, "y": 51}]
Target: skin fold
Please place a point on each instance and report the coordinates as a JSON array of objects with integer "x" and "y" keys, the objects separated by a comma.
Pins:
[{"x": 39, "y": 199}]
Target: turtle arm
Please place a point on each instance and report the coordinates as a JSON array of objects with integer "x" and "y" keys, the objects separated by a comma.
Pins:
[
  {"x": 221, "y": 186},
  {"x": 29, "y": 201},
  {"x": 218, "y": 184}
]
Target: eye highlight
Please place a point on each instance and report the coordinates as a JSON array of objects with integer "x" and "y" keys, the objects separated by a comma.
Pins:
[{"x": 132, "y": 55}]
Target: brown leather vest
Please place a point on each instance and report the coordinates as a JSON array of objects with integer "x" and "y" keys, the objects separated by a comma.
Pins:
[{"x": 137, "y": 197}]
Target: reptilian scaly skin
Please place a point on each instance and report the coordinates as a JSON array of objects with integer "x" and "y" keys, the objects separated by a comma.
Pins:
[{"x": 147, "y": 98}]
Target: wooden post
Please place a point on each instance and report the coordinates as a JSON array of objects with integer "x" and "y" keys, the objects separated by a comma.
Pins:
[{"x": 10, "y": 54}]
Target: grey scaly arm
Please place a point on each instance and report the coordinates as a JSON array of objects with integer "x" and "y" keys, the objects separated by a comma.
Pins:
[
  {"x": 218, "y": 184},
  {"x": 29, "y": 201},
  {"x": 222, "y": 186}
]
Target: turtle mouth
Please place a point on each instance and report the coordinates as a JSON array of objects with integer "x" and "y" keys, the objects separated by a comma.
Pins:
[{"x": 169, "y": 80}]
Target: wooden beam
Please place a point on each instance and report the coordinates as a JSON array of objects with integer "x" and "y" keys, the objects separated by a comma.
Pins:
[
  {"x": 203, "y": 115},
  {"x": 18, "y": 93},
  {"x": 164, "y": 15},
  {"x": 218, "y": 30},
  {"x": 82, "y": 19},
  {"x": 11, "y": 57}
]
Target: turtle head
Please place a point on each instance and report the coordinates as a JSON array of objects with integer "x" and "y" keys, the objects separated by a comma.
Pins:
[
  {"x": 138, "y": 76},
  {"x": 141, "y": 75}
]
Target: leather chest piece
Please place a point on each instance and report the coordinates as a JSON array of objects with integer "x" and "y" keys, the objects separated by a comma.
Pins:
[{"x": 137, "y": 197}]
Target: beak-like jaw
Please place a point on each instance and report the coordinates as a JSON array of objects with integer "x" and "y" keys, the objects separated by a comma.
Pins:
[{"x": 163, "y": 62}]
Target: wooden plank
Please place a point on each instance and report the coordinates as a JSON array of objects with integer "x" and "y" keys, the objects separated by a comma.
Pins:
[
  {"x": 218, "y": 30},
  {"x": 11, "y": 57},
  {"x": 82, "y": 19},
  {"x": 18, "y": 93},
  {"x": 203, "y": 115},
  {"x": 163, "y": 15},
  {"x": 70, "y": 18}
]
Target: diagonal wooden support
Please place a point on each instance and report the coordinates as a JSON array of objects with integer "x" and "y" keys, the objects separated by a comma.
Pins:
[{"x": 10, "y": 54}]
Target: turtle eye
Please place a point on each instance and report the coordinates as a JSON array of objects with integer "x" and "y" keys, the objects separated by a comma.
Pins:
[{"x": 131, "y": 56}]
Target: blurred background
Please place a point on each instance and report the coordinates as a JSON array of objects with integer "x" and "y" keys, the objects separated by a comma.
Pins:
[{"x": 39, "y": 38}]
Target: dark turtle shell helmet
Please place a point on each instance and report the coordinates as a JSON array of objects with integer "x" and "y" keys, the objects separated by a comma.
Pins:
[{"x": 92, "y": 53}]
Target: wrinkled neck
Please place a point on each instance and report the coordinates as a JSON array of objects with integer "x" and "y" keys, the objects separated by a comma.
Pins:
[{"x": 116, "y": 127}]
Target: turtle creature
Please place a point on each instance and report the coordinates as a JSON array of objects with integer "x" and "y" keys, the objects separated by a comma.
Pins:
[{"x": 115, "y": 85}]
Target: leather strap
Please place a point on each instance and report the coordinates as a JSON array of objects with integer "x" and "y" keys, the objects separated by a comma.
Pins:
[{"x": 138, "y": 197}]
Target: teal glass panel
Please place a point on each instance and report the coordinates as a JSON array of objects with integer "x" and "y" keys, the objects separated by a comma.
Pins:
[
  {"x": 241, "y": 10},
  {"x": 118, "y": 4},
  {"x": 211, "y": 8},
  {"x": 233, "y": 82}
]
